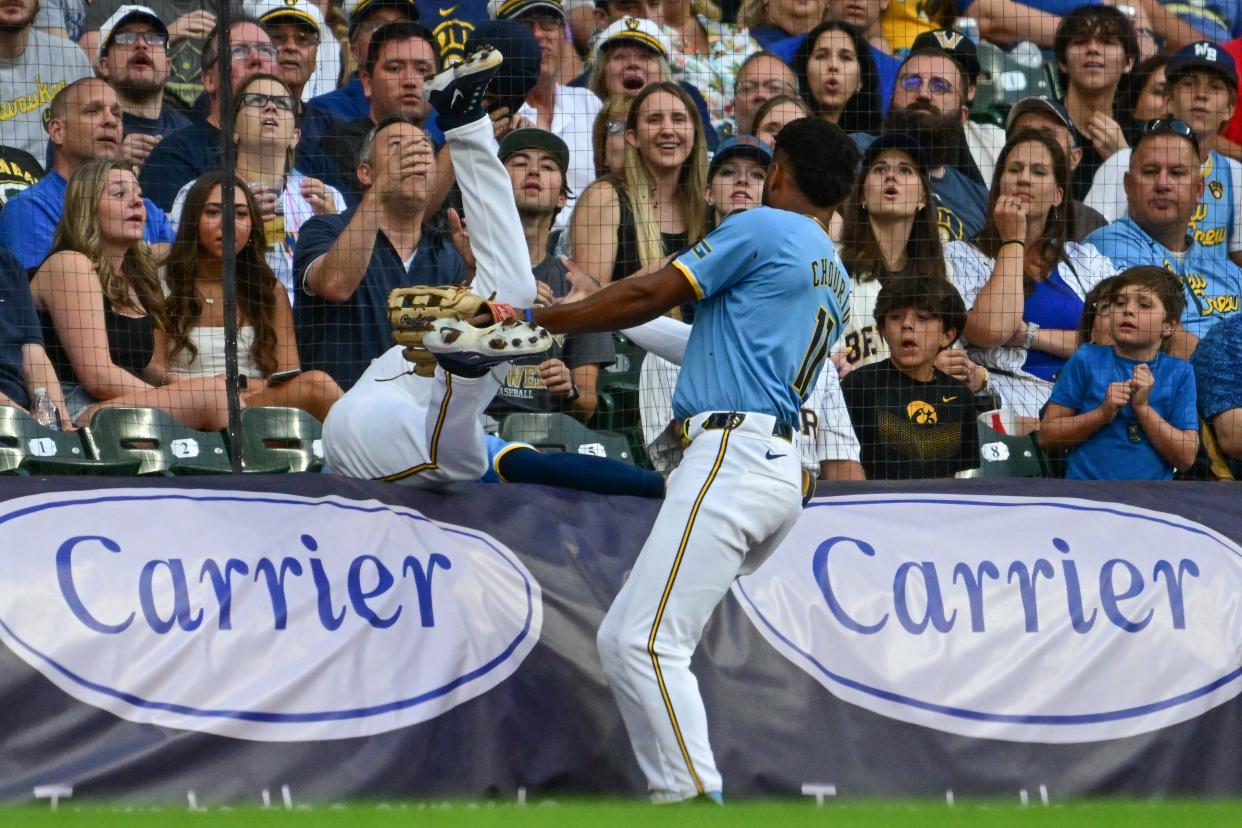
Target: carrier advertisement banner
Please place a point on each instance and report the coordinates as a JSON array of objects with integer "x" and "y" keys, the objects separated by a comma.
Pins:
[{"x": 216, "y": 640}]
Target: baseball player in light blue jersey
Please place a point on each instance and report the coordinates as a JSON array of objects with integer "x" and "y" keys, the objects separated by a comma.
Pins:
[{"x": 772, "y": 296}]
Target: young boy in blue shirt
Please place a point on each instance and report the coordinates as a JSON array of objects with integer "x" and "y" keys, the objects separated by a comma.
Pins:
[{"x": 1127, "y": 411}]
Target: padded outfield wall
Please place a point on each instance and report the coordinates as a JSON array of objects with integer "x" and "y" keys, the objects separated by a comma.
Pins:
[{"x": 354, "y": 640}]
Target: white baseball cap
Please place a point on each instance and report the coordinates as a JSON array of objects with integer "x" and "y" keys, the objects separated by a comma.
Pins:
[
  {"x": 638, "y": 30},
  {"x": 285, "y": 11},
  {"x": 124, "y": 15}
]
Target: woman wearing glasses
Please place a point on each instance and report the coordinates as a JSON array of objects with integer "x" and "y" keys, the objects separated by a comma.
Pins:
[
  {"x": 837, "y": 76},
  {"x": 267, "y": 351},
  {"x": 102, "y": 307},
  {"x": 608, "y": 135},
  {"x": 1022, "y": 278},
  {"x": 654, "y": 207},
  {"x": 265, "y": 137}
]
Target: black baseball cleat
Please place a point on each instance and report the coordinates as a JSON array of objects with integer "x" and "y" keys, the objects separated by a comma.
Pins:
[
  {"x": 457, "y": 92},
  {"x": 467, "y": 351}
]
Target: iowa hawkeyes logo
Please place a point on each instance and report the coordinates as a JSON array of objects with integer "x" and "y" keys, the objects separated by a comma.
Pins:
[
  {"x": 1217, "y": 189},
  {"x": 921, "y": 413}
]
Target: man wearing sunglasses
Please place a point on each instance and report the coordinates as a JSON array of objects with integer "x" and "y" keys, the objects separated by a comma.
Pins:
[
  {"x": 1163, "y": 189},
  {"x": 930, "y": 102},
  {"x": 1202, "y": 94},
  {"x": 133, "y": 59}
]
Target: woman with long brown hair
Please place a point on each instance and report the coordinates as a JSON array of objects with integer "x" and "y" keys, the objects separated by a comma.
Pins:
[
  {"x": 267, "y": 354},
  {"x": 1022, "y": 278},
  {"x": 655, "y": 207},
  {"x": 101, "y": 305}
]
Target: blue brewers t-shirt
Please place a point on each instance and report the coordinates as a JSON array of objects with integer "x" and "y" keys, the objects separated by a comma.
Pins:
[{"x": 772, "y": 299}]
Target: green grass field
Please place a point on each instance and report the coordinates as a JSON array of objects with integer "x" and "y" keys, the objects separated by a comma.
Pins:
[{"x": 1087, "y": 814}]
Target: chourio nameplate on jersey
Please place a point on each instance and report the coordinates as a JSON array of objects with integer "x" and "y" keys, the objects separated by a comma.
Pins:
[
  {"x": 261, "y": 616},
  {"x": 1025, "y": 619}
]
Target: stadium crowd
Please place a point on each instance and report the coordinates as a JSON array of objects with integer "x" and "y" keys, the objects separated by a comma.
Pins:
[{"x": 1046, "y": 221}]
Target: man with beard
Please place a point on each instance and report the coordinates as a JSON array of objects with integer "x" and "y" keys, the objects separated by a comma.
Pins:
[
  {"x": 191, "y": 21},
  {"x": 133, "y": 59},
  {"x": 929, "y": 102},
  {"x": 84, "y": 123},
  {"x": 34, "y": 66}
]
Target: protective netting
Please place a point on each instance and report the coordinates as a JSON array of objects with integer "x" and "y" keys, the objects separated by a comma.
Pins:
[{"x": 1040, "y": 241}]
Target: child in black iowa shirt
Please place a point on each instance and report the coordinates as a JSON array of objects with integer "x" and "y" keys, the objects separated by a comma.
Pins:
[{"x": 913, "y": 420}]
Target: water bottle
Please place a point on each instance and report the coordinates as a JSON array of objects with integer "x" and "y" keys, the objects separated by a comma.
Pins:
[{"x": 44, "y": 409}]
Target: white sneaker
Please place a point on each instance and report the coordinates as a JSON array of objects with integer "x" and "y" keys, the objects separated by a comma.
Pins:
[{"x": 465, "y": 350}]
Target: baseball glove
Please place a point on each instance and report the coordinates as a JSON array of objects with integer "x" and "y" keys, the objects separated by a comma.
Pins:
[{"x": 413, "y": 312}]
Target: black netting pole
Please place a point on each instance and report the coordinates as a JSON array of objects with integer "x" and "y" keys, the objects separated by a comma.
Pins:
[{"x": 228, "y": 264}]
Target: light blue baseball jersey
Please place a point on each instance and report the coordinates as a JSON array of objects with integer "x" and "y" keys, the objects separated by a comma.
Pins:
[
  {"x": 1212, "y": 282},
  {"x": 1213, "y": 219},
  {"x": 773, "y": 298}
]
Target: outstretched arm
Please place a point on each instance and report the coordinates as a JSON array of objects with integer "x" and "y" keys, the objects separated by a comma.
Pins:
[
  {"x": 663, "y": 336},
  {"x": 624, "y": 304}
]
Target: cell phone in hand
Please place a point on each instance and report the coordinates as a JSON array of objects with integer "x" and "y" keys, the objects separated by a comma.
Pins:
[{"x": 281, "y": 377}]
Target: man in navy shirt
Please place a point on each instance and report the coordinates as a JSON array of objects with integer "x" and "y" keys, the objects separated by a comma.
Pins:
[
  {"x": 133, "y": 59},
  {"x": 351, "y": 101},
  {"x": 346, "y": 265},
  {"x": 84, "y": 123}
]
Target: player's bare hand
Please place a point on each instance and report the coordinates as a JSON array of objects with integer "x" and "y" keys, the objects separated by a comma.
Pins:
[
  {"x": 315, "y": 192},
  {"x": 1010, "y": 216},
  {"x": 192, "y": 24},
  {"x": 1141, "y": 383},
  {"x": 584, "y": 284},
  {"x": 135, "y": 147},
  {"x": 1105, "y": 134},
  {"x": 556, "y": 377},
  {"x": 461, "y": 237},
  {"x": 955, "y": 363},
  {"x": 1115, "y": 398},
  {"x": 544, "y": 294}
]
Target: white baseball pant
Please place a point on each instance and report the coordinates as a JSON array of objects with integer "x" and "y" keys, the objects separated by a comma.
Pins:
[
  {"x": 424, "y": 431},
  {"x": 728, "y": 505}
]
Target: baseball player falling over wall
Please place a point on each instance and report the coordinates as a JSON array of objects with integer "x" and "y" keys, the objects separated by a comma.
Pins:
[
  {"x": 772, "y": 295},
  {"x": 413, "y": 416}
]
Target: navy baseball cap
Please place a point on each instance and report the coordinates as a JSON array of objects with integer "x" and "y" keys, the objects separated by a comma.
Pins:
[
  {"x": 956, "y": 45},
  {"x": 357, "y": 11},
  {"x": 903, "y": 141},
  {"x": 743, "y": 146},
  {"x": 1202, "y": 56}
]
